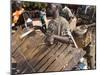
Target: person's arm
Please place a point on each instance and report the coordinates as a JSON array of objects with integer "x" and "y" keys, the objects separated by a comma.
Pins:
[{"x": 63, "y": 39}]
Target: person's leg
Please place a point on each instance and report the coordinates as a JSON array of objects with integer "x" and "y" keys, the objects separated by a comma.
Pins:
[
  {"x": 43, "y": 28},
  {"x": 92, "y": 59}
]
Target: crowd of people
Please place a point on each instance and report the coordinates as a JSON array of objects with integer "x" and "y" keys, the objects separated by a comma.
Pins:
[{"x": 63, "y": 22}]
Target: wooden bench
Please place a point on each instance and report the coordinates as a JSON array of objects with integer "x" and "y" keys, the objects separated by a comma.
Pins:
[{"x": 34, "y": 56}]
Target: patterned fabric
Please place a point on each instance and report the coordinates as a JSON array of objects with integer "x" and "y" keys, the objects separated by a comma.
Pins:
[
  {"x": 84, "y": 40},
  {"x": 58, "y": 26}
]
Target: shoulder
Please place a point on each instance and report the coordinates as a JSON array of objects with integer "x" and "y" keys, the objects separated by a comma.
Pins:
[
  {"x": 51, "y": 23},
  {"x": 63, "y": 20},
  {"x": 64, "y": 23}
]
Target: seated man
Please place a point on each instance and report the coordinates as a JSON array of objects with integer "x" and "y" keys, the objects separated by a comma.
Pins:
[
  {"x": 67, "y": 13},
  {"x": 57, "y": 27}
]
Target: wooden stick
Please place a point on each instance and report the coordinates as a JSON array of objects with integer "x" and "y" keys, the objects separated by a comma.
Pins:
[
  {"x": 26, "y": 33},
  {"x": 69, "y": 33}
]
